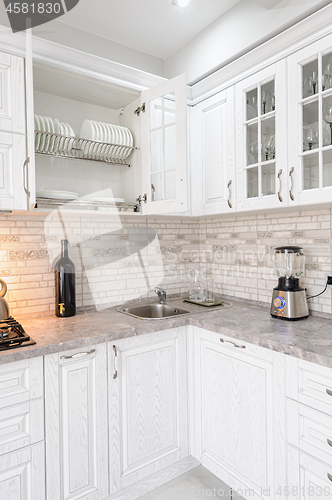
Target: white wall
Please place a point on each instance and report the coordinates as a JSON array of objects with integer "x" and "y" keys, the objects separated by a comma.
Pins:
[{"x": 245, "y": 26}]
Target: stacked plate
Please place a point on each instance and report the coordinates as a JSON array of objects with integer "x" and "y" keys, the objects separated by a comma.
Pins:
[
  {"x": 57, "y": 195},
  {"x": 45, "y": 139},
  {"x": 113, "y": 142}
]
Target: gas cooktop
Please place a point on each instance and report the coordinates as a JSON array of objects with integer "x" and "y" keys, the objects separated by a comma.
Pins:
[{"x": 12, "y": 335}]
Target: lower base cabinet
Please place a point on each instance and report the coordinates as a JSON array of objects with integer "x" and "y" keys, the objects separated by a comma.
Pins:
[
  {"x": 148, "y": 405},
  {"x": 76, "y": 424},
  {"x": 22, "y": 474}
]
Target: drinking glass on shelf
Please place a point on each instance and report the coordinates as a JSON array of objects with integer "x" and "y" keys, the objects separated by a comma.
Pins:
[
  {"x": 309, "y": 138},
  {"x": 306, "y": 87},
  {"x": 313, "y": 81},
  {"x": 264, "y": 101},
  {"x": 273, "y": 102},
  {"x": 327, "y": 115},
  {"x": 251, "y": 107},
  {"x": 272, "y": 148},
  {"x": 253, "y": 153},
  {"x": 327, "y": 76}
]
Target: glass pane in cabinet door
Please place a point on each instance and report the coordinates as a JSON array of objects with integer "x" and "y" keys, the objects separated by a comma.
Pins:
[
  {"x": 268, "y": 179},
  {"x": 327, "y": 168},
  {"x": 252, "y": 182},
  {"x": 169, "y": 110},
  {"x": 252, "y": 143},
  {"x": 157, "y": 187},
  {"x": 268, "y": 103},
  {"x": 170, "y": 185},
  {"x": 310, "y": 171},
  {"x": 170, "y": 148},
  {"x": 268, "y": 139},
  {"x": 251, "y": 99},
  {"x": 156, "y": 150},
  {"x": 156, "y": 113},
  {"x": 327, "y": 121},
  {"x": 327, "y": 71},
  {"x": 310, "y": 78},
  {"x": 310, "y": 126}
]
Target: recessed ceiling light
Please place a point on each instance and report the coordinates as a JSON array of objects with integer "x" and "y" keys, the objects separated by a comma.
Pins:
[{"x": 181, "y": 3}]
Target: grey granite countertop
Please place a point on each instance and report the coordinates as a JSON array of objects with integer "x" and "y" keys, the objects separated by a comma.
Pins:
[{"x": 309, "y": 339}]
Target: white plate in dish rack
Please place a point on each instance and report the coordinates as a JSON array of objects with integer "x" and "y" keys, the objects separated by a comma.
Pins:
[{"x": 57, "y": 195}]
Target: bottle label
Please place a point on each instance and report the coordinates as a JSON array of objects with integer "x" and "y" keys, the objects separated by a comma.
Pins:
[{"x": 62, "y": 308}]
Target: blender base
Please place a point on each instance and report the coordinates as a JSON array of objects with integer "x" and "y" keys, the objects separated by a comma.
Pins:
[{"x": 289, "y": 305}]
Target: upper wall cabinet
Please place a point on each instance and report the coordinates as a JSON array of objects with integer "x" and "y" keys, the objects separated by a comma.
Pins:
[
  {"x": 310, "y": 113},
  {"x": 213, "y": 154},
  {"x": 261, "y": 139},
  {"x": 164, "y": 147}
]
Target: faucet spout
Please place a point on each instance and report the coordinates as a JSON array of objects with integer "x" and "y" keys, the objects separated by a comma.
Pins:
[{"x": 161, "y": 295}]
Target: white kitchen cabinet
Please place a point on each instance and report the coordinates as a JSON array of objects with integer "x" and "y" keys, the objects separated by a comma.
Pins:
[
  {"x": 310, "y": 137},
  {"x": 22, "y": 474},
  {"x": 212, "y": 139},
  {"x": 261, "y": 139},
  {"x": 76, "y": 424},
  {"x": 242, "y": 425},
  {"x": 147, "y": 405}
]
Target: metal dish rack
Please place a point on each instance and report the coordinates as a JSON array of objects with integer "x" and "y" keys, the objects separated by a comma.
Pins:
[
  {"x": 91, "y": 204},
  {"x": 63, "y": 146}
]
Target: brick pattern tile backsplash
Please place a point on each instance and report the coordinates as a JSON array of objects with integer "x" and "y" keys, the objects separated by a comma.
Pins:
[{"x": 119, "y": 263}]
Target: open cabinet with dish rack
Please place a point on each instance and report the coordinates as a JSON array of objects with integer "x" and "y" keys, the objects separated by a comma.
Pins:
[{"x": 89, "y": 152}]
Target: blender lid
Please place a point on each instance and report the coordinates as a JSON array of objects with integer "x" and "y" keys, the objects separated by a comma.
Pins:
[{"x": 289, "y": 249}]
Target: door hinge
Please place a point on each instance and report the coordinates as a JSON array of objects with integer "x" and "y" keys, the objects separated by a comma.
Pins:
[
  {"x": 142, "y": 198},
  {"x": 140, "y": 109}
]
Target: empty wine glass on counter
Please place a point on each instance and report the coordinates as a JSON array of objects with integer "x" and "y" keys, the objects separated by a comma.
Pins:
[{"x": 327, "y": 115}]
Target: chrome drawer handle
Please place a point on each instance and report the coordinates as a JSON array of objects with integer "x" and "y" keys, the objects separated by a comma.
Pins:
[
  {"x": 329, "y": 392},
  {"x": 25, "y": 165},
  {"x": 329, "y": 476},
  {"x": 115, "y": 374},
  {"x": 232, "y": 343},
  {"x": 279, "y": 190},
  {"x": 78, "y": 355},
  {"x": 329, "y": 442},
  {"x": 291, "y": 186},
  {"x": 229, "y": 194}
]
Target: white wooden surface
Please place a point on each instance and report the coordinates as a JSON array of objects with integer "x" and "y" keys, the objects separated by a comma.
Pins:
[
  {"x": 12, "y": 94},
  {"x": 22, "y": 474},
  {"x": 212, "y": 155},
  {"x": 21, "y": 381},
  {"x": 148, "y": 406},
  {"x": 76, "y": 425},
  {"x": 278, "y": 71}
]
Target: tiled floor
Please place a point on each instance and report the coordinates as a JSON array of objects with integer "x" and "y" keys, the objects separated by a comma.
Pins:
[{"x": 197, "y": 483}]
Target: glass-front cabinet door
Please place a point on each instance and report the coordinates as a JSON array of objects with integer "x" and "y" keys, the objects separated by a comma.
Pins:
[
  {"x": 262, "y": 139},
  {"x": 310, "y": 120},
  {"x": 164, "y": 147}
]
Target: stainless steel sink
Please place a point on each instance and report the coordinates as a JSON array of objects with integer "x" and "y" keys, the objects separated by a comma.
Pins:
[{"x": 152, "y": 311}]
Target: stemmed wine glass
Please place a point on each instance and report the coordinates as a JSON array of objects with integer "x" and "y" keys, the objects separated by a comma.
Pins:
[
  {"x": 327, "y": 76},
  {"x": 327, "y": 115},
  {"x": 309, "y": 137},
  {"x": 313, "y": 81},
  {"x": 264, "y": 101}
]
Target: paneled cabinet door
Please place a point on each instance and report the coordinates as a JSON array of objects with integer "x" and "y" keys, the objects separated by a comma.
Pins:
[
  {"x": 261, "y": 139},
  {"x": 164, "y": 147},
  {"x": 213, "y": 155},
  {"x": 76, "y": 424},
  {"x": 148, "y": 405},
  {"x": 239, "y": 416},
  {"x": 22, "y": 474},
  {"x": 310, "y": 119}
]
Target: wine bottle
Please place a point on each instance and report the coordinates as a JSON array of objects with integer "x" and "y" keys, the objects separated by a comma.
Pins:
[{"x": 65, "y": 305}]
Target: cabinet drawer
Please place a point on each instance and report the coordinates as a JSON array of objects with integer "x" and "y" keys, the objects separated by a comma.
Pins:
[
  {"x": 21, "y": 381},
  {"x": 308, "y": 478},
  {"x": 21, "y": 425},
  {"x": 310, "y": 431},
  {"x": 310, "y": 384}
]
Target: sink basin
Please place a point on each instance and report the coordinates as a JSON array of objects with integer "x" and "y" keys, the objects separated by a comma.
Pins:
[{"x": 152, "y": 311}]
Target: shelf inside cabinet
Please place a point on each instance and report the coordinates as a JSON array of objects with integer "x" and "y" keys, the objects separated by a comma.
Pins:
[
  {"x": 87, "y": 204},
  {"x": 62, "y": 146}
]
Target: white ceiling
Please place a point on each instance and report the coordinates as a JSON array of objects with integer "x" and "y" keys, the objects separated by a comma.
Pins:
[{"x": 155, "y": 27}]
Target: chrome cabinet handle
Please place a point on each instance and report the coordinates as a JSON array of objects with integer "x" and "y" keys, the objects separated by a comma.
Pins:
[
  {"x": 229, "y": 194},
  {"x": 78, "y": 355},
  {"x": 233, "y": 344},
  {"x": 291, "y": 186},
  {"x": 25, "y": 164},
  {"x": 115, "y": 374},
  {"x": 329, "y": 392},
  {"x": 329, "y": 442},
  {"x": 279, "y": 191},
  {"x": 329, "y": 476}
]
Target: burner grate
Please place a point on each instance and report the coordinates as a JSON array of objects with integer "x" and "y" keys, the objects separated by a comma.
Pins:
[{"x": 12, "y": 335}]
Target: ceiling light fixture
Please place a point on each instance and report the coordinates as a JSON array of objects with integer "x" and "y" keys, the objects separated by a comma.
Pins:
[{"x": 181, "y": 3}]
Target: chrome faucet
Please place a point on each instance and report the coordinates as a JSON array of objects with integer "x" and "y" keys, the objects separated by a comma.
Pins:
[{"x": 161, "y": 295}]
